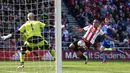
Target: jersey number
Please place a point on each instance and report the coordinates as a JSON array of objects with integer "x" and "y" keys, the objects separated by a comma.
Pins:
[{"x": 32, "y": 27}]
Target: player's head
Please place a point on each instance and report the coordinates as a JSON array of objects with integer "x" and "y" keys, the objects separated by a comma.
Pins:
[
  {"x": 30, "y": 16},
  {"x": 107, "y": 20},
  {"x": 96, "y": 23}
]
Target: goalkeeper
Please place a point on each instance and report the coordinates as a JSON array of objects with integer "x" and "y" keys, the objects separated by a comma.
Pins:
[{"x": 33, "y": 37}]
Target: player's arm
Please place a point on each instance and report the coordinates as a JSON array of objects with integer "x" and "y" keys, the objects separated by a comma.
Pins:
[
  {"x": 106, "y": 36},
  {"x": 112, "y": 29},
  {"x": 10, "y": 35},
  {"x": 42, "y": 25},
  {"x": 16, "y": 33},
  {"x": 78, "y": 29},
  {"x": 81, "y": 29}
]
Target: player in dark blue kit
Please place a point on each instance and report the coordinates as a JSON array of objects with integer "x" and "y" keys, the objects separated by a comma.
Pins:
[{"x": 107, "y": 44}]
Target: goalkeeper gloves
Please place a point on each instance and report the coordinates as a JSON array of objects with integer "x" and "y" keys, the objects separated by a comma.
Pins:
[{"x": 6, "y": 37}]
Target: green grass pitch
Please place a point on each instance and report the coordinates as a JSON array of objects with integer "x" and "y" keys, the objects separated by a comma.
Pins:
[{"x": 113, "y": 66}]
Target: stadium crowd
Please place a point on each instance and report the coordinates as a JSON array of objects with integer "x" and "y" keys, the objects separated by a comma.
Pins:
[
  {"x": 118, "y": 11},
  {"x": 13, "y": 12},
  {"x": 13, "y": 15}
]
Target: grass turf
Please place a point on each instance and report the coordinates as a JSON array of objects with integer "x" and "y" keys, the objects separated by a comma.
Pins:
[{"x": 113, "y": 66}]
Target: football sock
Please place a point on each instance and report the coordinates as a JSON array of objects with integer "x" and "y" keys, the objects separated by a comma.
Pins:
[
  {"x": 22, "y": 63},
  {"x": 82, "y": 57},
  {"x": 103, "y": 56},
  {"x": 52, "y": 51},
  {"x": 22, "y": 57}
]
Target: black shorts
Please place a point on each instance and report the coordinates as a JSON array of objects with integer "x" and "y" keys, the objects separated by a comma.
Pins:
[
  {"x": 45, "y": 46},
  {"x": 35, "y": 39}
]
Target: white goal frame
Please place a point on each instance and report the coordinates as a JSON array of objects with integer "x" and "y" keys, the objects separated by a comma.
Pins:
[{"x": 58, "y": 46}]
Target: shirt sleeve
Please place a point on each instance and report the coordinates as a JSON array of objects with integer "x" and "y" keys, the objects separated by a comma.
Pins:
[
  {"x": 42, "y": 24},
  {"x": 113, "y": 27},
  {"x": 104, "y": 29},
  {"x": 86, "y": 28},
  {"x": 101, "y": 32},
  {"x": 22, "y": 28}
]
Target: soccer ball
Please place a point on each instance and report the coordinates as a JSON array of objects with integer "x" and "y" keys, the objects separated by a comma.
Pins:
[{"x": 81, "y": 43}]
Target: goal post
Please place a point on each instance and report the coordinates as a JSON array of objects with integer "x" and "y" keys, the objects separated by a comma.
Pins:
[{"x": 58, "y": 46}]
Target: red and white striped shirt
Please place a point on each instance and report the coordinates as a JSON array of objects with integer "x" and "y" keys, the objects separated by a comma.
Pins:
[{"x": 92, "y": 33}]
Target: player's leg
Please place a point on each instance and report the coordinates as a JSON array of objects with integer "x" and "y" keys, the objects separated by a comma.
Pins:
[
  {"x": 49, "y": 47},
  {"x": 22, "y": 55},
  {"x": 120, "y": 51},
  {"x": 79, "y": 51},
  {"x": 24, "y": 50},
  {"x": 84, "y": 51},
  {"x": 102, "y": 49},
  {"x": 75, "y": 47},
  {"x": 102, "y": 54},
  {"x": 85, "y": 57},
  {"x": 52, "y": 51},
  {"x": 104, "y": 46},
  {"x": 82, "y": 55}
]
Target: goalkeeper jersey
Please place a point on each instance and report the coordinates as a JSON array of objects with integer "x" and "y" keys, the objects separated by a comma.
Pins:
[{"x": 31, "y": 28}]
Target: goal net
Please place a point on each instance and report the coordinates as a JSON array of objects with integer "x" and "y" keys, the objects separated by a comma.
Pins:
[{"x": 13, "y": 14}]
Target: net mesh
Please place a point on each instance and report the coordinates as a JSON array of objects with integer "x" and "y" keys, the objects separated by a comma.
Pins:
[{"x": 13, "y": 13}]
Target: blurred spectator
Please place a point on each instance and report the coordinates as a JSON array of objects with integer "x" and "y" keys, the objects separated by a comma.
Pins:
[
  {"x": 65, "y": 34},
  {"x": 128, "y": 30},
  {"x": 127, "y": 22},
  {"x": 12, "y": 44}
]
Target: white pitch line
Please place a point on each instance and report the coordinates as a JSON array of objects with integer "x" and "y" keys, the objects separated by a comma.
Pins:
[
  {"x": 7, "y": 71},
  {"x": 13, "y": 71}
]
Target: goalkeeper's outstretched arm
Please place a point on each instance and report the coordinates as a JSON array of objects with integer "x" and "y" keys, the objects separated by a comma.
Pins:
[{"x": 16, "y": 33}]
